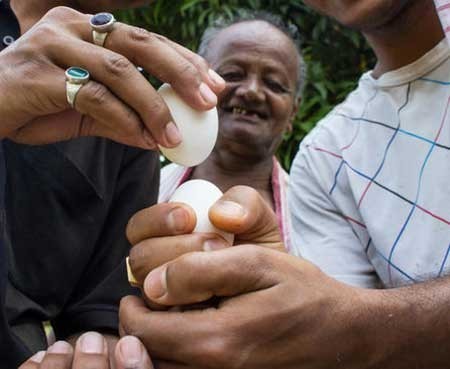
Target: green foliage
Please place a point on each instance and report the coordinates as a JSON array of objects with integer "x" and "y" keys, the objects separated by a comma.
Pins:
[{"x": 335, "y": 56}]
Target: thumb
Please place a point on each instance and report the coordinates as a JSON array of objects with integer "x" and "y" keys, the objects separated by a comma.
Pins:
[
  {"x": 197, "y": 276},
  {"x": 243, "y": 211},
  {"x": 131, "y": 353}
]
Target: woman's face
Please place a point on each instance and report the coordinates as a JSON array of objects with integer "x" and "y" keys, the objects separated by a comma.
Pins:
[{"x": 259, "y": 64}]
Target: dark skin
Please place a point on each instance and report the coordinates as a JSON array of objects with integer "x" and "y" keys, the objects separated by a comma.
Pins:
[
  {"x": 279, "y": 311},
  {"x": 118, "y": 102},
  {"x": 35, "y": 110},
  {"x": 399, "y": 32},
  {"x": 259, "y": 65}
]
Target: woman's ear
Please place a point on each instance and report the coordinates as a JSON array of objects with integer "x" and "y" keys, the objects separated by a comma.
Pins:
[
  {"x": 293, "y": 114},
  {"x": 289, "y": 127}
]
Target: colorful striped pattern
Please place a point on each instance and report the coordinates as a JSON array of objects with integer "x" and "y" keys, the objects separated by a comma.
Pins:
[{"x": 443, "y": 10}]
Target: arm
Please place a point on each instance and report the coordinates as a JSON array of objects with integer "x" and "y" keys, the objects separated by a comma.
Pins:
[
  {"x": 280, "y": 311},
  {"x": 36, "y": 111}
]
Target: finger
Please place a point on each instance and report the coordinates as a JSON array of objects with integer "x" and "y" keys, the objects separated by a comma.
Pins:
[
  {"x": 161, "y": 59},
  {"x": 113, "y": 122},
  {"x": 165, "y": 219},
  {"x": 34, "y": 361},
  {"x": 152, "y": 253},
  {"x": 152, "y": 52},
  {"x": 141, "y": 138},
  {"x": 59, "y": 355},
  {"x": 91, "y": 351},
  {"x": 198, "y": 276},
  {"x": 131, "y": 353},
  {"x": 215, "y": 81},
  {"x": 159, "y": 339},
  {"x": 243, "y": 211},
  {"x": 122, "y": 79},
  {"x": 107, "y": 116}
]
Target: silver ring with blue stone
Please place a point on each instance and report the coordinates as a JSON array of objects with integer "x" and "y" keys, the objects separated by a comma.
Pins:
[
  {"x": 76, "y": 78},
  {"x": 102, "y": 24}
]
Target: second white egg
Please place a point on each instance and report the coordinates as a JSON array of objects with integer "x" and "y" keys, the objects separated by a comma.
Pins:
[{"x": 200, "y": 195}]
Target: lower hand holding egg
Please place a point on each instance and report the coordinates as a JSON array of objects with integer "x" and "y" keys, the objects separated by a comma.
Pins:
[{"x": 165, "y": 232}]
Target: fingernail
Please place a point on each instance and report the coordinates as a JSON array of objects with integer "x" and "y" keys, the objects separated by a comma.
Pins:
[
  {"x": 150, "y": 141},
  {"x": 214, "y": 244},
  {"x": 230, "y": 208},
  {"x": 216, "y": 78},
  {"x": 172, "y": 133},
  {"x": 177, "y": 219},
  {"x": 155, "y": 283},
  {"x": 207, "y": 94},
  {"x": 60, "y": 347},
  {"x": 92, "y": 343},
  {"x": 131, "y": 352},
  {"x": 38, "y": 357}
]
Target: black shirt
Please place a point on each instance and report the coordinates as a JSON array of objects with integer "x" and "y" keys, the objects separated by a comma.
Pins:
[
  {"x": 67, "y": 206},
  {"x": 11, "y": 349},
  {"x": 9, "y": 28},
  {"x": 63, "y": 212}
]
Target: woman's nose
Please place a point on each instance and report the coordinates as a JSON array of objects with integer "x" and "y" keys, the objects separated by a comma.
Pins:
[{"x": 251, "y": 90}]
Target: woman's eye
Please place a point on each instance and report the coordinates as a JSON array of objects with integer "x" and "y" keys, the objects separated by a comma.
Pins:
[
  {"x": 231, "y": 76},
  {"x": 276, "y": 86}
]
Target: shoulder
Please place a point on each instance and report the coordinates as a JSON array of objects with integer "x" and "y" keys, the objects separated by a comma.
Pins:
[{"x": 336, "y": 130}]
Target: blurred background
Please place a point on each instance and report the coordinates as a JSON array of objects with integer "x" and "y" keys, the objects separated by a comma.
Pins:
[{"x": 335, "y": 56}]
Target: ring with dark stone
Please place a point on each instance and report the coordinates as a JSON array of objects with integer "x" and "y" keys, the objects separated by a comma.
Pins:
[{"x": 101, "y": 24}]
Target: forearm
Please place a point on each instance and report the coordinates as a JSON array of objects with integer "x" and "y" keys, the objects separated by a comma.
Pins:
[{"x": 409, "y": 327}]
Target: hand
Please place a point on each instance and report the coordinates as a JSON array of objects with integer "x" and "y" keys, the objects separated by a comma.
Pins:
[
  {"x": 276, "y": 311},
  {"x": 91, "y": 351},
  {"x": 163, "y": 232},
  {"x": 118, "y": 103}
]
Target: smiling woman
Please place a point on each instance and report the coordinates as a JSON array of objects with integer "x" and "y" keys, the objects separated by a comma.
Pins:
[{"x": 260, "y": 60}]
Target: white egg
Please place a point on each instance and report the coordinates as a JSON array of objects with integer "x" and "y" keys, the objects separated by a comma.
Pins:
[
  {"x": 200, "y": 195},
  {"x": 198, "y": 130}
]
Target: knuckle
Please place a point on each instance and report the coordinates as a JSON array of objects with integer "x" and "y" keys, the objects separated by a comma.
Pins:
[
  {"x": 33, "y": 69},
  {"x": 117, "y": 65},
  {"x": 159, "y": 115},
  {"x": 190, "y": 74},
  {"x": 132, "y": 124},
  {"x": 200, "y": 62},
  {"x": 218, "y": 350},
  {"x": 249, "y": 193},
  {"x": 98, "y": 94},
  {"x": 256, "y": 255},
  {"x": 141, "y": 35},
  {"x": 124, "y": 317},
  {"x": 136, "y": 254},
  {"x": 130, "y": 230},
  {"x": 44, "y": 32},
  {"x": 159, "y": 37},
  {"x": 60, "y": 13}
]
